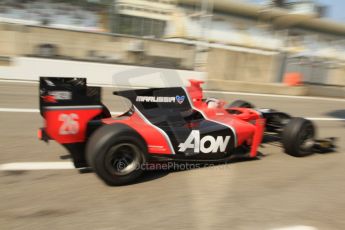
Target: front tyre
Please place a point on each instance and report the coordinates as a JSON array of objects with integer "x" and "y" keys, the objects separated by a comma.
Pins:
[
  {"x": 298, "y": 137},
  {"x": 116, "y": 154}
]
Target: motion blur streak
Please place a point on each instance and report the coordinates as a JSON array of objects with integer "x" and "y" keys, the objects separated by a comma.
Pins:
[
  {"x": 249, "y": 50},
  {"x": 36, "y": 166}
]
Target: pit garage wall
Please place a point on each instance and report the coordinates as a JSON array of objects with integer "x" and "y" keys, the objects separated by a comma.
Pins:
[
  {"x": 225, "y": 64},
  {"x": 22, "y": 40},
  {"x": 253, "y": 66},
  {"x": 317, "y": 71},
  {"x": 27, "y": 68},
  {"x": 269, "y": 67}
]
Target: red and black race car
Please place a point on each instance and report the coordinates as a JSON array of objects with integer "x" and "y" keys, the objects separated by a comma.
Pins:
[{"x": 162, "y": 124}]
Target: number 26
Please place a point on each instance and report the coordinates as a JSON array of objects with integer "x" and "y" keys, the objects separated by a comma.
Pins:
[{"x": 69, "y": 124}]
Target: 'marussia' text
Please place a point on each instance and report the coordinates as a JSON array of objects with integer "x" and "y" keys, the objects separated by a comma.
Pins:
[{"x": 155, "y": 99}]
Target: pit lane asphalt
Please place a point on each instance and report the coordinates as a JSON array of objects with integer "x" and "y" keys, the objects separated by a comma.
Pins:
[{"x": 276, "y": 191}]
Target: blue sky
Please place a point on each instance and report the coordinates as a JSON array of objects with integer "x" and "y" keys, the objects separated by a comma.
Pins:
[{"x": 336, "y": 8}]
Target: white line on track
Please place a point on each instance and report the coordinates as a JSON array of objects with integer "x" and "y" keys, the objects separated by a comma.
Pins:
[
  {"x": 325, "y": 119},
  {"x": 20, "y": 110},
  {"x": 297, "y": 227},
  {"x": 22, "y": 166},
  {"x": 18, "y": 81}
]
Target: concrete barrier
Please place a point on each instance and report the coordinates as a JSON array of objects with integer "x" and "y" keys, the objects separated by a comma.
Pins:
[
  {"x": 326, "y": 91},
  {"x": 276, "y": 88},
  {"x": 251, "y": 87},
  {"x": 28, "y": 68}
]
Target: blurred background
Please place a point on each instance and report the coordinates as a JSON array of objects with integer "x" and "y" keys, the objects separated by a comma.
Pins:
[{"x": 260, "y": 42}]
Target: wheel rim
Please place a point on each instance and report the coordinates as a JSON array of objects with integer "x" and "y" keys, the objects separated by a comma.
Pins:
[
  {"x": 307, "y": 138},
  {"x": 122, "y": 159}
]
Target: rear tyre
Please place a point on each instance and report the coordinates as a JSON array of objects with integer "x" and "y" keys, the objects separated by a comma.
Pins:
[
  {"x": 298, "y": 137},
  {"x": 240, "y": 104},
  {"x": 116, "y": 154}
]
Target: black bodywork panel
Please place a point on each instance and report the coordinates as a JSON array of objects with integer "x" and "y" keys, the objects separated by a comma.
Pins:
[{"x": 170, "y": 110}]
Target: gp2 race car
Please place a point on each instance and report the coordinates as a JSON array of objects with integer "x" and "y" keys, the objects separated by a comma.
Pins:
[{"x": 162, "y": 124}]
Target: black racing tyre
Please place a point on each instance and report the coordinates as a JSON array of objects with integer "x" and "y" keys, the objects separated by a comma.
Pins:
[
  {"x": 298, "y": 137},
  {"x": 116, "y": 154},
  {"x": 240, "y": 104}
]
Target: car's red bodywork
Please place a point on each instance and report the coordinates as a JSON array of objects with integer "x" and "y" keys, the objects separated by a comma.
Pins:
[{"x": 247, "y": 124}]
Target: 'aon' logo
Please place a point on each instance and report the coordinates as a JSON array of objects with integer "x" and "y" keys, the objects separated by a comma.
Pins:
[{"x": 206, "y": 144}]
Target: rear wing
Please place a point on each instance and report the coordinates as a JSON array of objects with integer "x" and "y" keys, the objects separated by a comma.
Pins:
[
  {"x": 58, "y": 91},
  {"x": 67, "y": 105}
]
